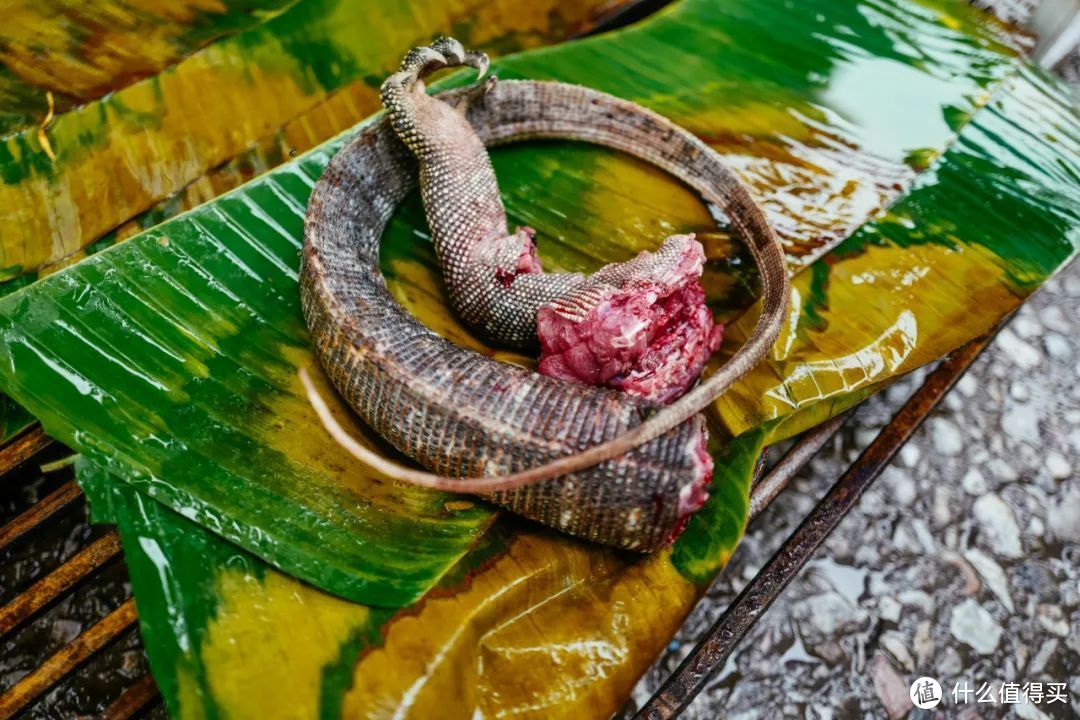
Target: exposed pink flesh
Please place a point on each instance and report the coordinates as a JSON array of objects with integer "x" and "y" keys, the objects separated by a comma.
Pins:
[
  {"x": 527, "y": 262},
  {"x": 651, "y": 340}
]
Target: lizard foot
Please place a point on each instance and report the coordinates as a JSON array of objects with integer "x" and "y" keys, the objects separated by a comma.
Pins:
[{"x": 445, "y": 52}]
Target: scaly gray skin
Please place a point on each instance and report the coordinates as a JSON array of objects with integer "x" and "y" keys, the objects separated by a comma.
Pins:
[
  {"x": 588, "y": 461},
  {"x": 493, "y": 276}
]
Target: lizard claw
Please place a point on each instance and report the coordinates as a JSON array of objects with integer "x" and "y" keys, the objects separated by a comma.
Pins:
[
  {"x": 458, "y": 55},
  {"x": 451, "y": 48},
  {"x": 443, "y": 52},
  {"x": 421, "y": 62}
]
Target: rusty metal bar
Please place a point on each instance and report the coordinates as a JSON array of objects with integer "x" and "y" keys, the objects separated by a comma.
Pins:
[
  {"x": 133, "y": 700},
  {"x": 47, "y": 589},
  {"x": 67, "y": 659},
  {"x": 765, "y": 491},
  {"x": 712, "y": 652},
  {"x": 52, "y": 503},
  {"x": 22, "y": 448}
]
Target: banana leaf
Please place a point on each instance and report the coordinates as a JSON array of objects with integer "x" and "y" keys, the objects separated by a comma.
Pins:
[
  {"x": 286, "y": 83},
  {"x": 535, "y": 625},
  {"x": 79, "y": 51},
  {"x": 170, "y": 360}
]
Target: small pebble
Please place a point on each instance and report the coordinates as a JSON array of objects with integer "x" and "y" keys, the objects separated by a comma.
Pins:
[
  {"x": 1013, "y": 349},
  {"x": 947, "y": 437},
  {"x": 974, "y": 483},
  {"x": 997, "y": 525},
  {"x": 1063, "y": 516},
  {"x": 1019, "y": 391},
  {"x": 992, "y": 575},
  {"x": 909, "y": 455},
  {"x": 1057, "y": 346},
  {"x": 892, "y": 688},
  {"x": 972, "y": 625},
  {"x": 1053, "y": 620},
  {"x": 1020, "y": 421},
  {"x": 893, "y": 643},
  {"x": 1002, "y": 471},
  {"x": 1025, "y": 327},
  {"x": 1053, "y": 318},
  {"x": 1059, "y": 467},
  {"x": 889, "y": 609}
]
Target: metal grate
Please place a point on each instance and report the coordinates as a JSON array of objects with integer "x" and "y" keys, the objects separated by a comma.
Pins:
[
  {"x": 125, "y": 699},
  {"x": 119, "y": 696},
  {"x": 85, "y": 596}
]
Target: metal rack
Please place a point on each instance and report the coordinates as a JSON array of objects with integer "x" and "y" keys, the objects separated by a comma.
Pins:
[{"x": 678, "y": 691}]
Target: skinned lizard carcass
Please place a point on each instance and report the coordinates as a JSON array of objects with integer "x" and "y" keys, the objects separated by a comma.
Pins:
[{"x": 600, "y": 464}]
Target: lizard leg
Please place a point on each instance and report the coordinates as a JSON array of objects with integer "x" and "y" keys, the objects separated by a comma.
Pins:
[{"x": 640, "y": 326}]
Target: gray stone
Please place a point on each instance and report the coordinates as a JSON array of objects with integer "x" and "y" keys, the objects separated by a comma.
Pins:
[
  {"x": 829, "y": 614},
  {"x": 1019, "y": 391},
  {"x": 1017, "y": 351},
  {"x": 893, "y": 643},
  {"x": 992, "y": 575},
  {"x": 909, "y": 455},
  {"x": 1026, "y": 327},
  {"x": 1063, "y": 516},
  {"x": 1031, "y": 578},
  {"x": 913, "y": 537},
  {"x": 1059, "y": 467},
  {"x": 944, "y": 505},
  {"x": 889, "y": 609},
  {"x": 950, "y": 663},
  {"x": 1042, "y": 657},
  {"x": 1020, "y": 421},
  {"x": 947, "y": 438},
  {"x": 917, "y": 598},
  {"x": 63, "y": 631},
  {"x": 997, "y": 526},
  {"x": 972, "y": 625},
  {"x": 901, "y": 484},
  {"x": 1028, "y": 711},
  {"x": 1057, "y": 346},
  {"x": 1053, "y": 318},
  {"x": 1002, "y": 471},
  {"x": 974, "y": 483},
  {"x": 892, "y": 688},
  {"x": 923, "y": 643},
  {"x": 1070, "y": 594},
  {"x": 968, "y": 386},
  {"x": 1053, "y": 619}
]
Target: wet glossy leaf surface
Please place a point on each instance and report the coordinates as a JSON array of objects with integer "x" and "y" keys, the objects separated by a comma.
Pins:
[
  {"x": 536, "y": 625},
  {"x": 247, "y": 102},
  {"x": 170, "y": 360}
]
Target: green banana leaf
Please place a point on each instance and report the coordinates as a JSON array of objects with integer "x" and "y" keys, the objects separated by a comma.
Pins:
[
  {"x": 79, "y": 51},
  {"x": 13, "y": 419},
  {"x": 170, "y": 360},
  {"x": 531, "y": 624},
  {"x": 41, "y": 56},
  {"x": 280, "y": 87}
]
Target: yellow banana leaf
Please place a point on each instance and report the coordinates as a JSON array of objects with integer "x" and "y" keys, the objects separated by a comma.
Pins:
[
  {"x": 535, "y": 625},
  {"x": 284, "y": 84},
  {"x": 170, "y": 360}
]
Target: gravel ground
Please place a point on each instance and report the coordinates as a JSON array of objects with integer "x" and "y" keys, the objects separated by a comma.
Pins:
[{"x": 962, "y": 561}]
